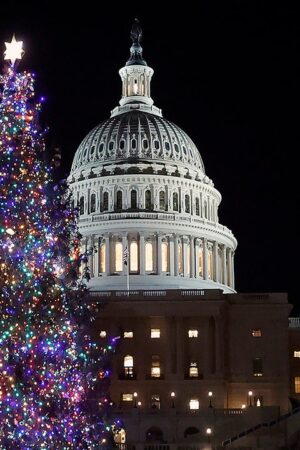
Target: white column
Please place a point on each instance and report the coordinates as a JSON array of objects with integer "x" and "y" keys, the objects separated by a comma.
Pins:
[
  {"x": 96, "y": 256},
  {"x": 192, "y": 255},
  {"x": 185, "y": 256},
  {"x": 107, "y": 254},
  {"x": 205, "y": 259},
  {"x": 171, "y": 252},
  {"x": 229, "y": 267},
  {"x": 124, "y": 245},
  {"x": 142, "y": 254},
  {"x": 159, "y": 254},
  {"x": 216, "y": 262},
  {"x": 176, "y": 255},
  {"x": 232, "y": 270},
  {"x": 197, "y": 258},
  {"x": 224, "y": 267},
  {"x": 90, "y": 249}
]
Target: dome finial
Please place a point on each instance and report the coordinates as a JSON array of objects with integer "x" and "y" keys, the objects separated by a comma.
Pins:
[{"x": 136, "y": 51}]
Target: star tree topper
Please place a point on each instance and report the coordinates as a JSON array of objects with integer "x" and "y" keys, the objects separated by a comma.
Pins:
[{"x": 13, "y": 50}]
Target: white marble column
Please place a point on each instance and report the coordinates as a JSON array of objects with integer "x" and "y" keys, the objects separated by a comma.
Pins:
[
  {"x": 216, "y": 262},
  {"x": 171, "y": 252},
  {"x": 107, "y": 254},
  {"x": 159, "y": 238},
  {"x": 90, "y": 250},
  {"x": 197, "y": 243},
  {"x": 232, "y": 270},
  {"x": 192, "y": 255},
  {"x": 96, "y": 255},
  {"x": 229, "y": 257},
  {"x": 142, "y": 254},
  {"x": 176, "y": 255},
  {"x": 185, "y": 256},
  {"x": 125, "y": 244},
  {"x": 224, "y": 265},
  {"x": 205, "y": 259}
]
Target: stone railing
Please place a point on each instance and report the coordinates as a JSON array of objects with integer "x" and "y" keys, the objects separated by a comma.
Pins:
[{"x": 294, "y": 322}]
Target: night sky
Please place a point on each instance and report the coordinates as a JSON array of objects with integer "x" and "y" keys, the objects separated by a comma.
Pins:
[{"x": 225, "y": 72}]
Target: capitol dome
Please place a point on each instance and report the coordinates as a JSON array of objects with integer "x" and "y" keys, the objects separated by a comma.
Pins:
[{"x": 145, "y": 203}]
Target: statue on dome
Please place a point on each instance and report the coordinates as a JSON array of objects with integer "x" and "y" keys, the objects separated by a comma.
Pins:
[{"x": 136, "y": 32}]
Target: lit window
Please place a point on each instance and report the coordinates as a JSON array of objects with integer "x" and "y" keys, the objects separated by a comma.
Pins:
[
  {"x": 155, "y": 367},
  {"x": 297, "y": 385},
  {"x": 155, "y": 401},
  {"x": 194, "y": 403},
  {"x": 210, "y": 263},
  {"x": 193, "y": 370},
  {"x": 102, "y": 258},
  {"x": 256, "y": 333},
  {"x": 164, "y": 257},
  {"x": 102, "y": 334},
  {"x": 127, "y": 397},
  {"x": 155, "y": 333},
  {"x": 297, "y": 354},
  {"x": 128, "y": 366},
  {"x": 133, "y": 257},
  {"x": 193, "y": 333},
  {"x": 128, "y": 334},
  {"x": 118, "y": 257},
  {"x": 257, "y": 367},
  {"x": 149, "y": 257}
]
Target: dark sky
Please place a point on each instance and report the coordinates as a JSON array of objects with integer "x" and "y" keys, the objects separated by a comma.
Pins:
[{"x": 226, "y": 72}]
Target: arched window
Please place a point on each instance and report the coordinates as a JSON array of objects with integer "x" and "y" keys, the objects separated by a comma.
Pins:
[
  {"x": 162, "y": 201},
  {"x": 200, "y": 259},
  {"x": 128, "y": 366},
  {"x": 133, "y": 259},
  {"x": 187, "y": 203},
  {"x": 197, "y": 207},
  {"x": 148, "y": 199},
  {"x": 133, "y": 198},
  {"x": 210, "y": 272},
  {"x": 119, "y": 199},
  {"x": 164, "y": 257},
  {"x": 175, "y": 201},
  {"x": 81, "y": 205},
  {"x": 149, "y": 257},
  {"x": 118, "y": 257},
  {"x": 133, "y": 144},
  {"x": 105, "y": 201},
  {"x": 205, "y": 210},
  {"x": 155, "y": 367},
  {"x": 102, "y": 258},
  {"x": 93, "y": 203},
  {"x": 180, "y": 263}
]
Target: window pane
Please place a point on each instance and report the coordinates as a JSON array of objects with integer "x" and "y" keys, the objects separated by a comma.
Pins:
[
  {"x": 193, "y": 370},
  {"x": 187, "y": 203},
  {"x": 155, "y": 372},
  {"x": 164, "y": 257},
  {"x": 197, "y": 207},
  {"x": 133, "y": 199},
  {"x": 297, "y": 385},
  {"x": 128, "y": 361},
  {"x": 194, "y": 403},
  {"x": 102, "y": 258},
  {"x": 297, "y": 354},
  {"x": 148, "y": 199},
  {"x": 257, "y": 367},
  {"x": 155, "y": 333},
  {"x": 175, "y": 201},
  {"x": 128, "y": 334},
  {"x": 193, "y": 333},
  {"x": 127, "y": 397},
  {"x": 133, "y": 257},
  {"x": 162, "y": 204},
  {"x": 155, "y": 401},
  {"x": 93, "y": 203},
  {"x": 256, "y": 333},
  {"x": 102, "y": 334},
  {"x": 118, "y": 257},
  {"x": 81, "y": 206},
  {"x": 105, "y": 201},
  {"x": 119, "y": 200},
  {"x": 149, "y": 257}
]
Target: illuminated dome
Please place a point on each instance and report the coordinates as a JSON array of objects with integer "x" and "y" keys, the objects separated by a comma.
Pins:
[{"x": 144, "y": 200}]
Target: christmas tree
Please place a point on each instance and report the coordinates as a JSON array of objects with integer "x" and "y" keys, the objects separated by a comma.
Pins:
[{"x": 53, "y": 376}]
